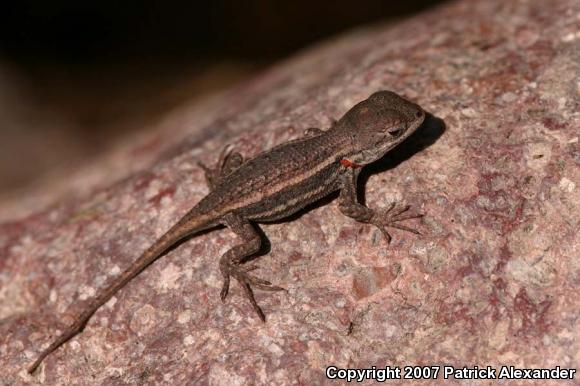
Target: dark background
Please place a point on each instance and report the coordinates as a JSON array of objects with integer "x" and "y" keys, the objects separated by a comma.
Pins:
[{"x": 75, "y": 75}]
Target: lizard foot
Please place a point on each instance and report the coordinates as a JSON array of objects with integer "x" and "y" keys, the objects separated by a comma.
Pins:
[
  {"x": 228, "y": 161},
  {"x": 312, "y": 132},
  {"x": 391, "y": 216},
  {"x": 240, "y": 273}
]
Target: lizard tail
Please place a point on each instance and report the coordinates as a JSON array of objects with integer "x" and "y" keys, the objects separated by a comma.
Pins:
[{"x": 184, "y": 228}]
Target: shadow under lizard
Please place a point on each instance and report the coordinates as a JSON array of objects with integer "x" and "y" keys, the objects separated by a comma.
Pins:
[{"x": 276, "y": 184}]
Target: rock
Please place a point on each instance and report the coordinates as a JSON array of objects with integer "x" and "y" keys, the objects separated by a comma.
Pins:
[{"x": 491, "y": 281}]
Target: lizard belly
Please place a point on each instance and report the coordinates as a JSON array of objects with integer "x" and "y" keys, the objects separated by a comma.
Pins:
[{"x": 294, "y": 197}]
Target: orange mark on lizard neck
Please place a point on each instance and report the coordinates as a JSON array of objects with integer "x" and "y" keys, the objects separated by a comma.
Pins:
[{"x": 349, "y": 164}]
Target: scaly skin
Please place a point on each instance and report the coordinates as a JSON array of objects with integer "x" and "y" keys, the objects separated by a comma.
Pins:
[{"x": 276, "y": 184}]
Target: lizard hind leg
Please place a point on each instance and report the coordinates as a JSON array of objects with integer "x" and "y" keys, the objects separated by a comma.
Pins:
[
  {"x": 227, "y": 162},
  {"x": 232, "y": 263}
]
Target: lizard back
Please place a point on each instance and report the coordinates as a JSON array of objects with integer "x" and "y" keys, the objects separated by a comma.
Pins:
[{"x": 279, "y": 181}]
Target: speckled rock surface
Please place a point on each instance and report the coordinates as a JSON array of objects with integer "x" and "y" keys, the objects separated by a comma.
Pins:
[{"x": 493, "y": 280}]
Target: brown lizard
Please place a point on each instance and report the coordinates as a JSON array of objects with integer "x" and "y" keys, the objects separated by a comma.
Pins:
[{"x": 276, "y": 184}]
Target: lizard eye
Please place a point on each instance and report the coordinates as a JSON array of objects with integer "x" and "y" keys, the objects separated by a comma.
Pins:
[{"x": 396, "y": 131}]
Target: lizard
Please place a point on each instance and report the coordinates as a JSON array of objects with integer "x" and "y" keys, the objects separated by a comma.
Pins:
[{"x": 276, "y": 184}]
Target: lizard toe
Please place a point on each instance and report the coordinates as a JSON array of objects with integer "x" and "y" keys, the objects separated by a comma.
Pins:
[
  {"x": 225, "y": 288},
  {"x": 391, "y": 217}
]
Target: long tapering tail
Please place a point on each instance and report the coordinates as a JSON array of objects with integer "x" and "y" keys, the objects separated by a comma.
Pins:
[{"x": 178, "y": 232}]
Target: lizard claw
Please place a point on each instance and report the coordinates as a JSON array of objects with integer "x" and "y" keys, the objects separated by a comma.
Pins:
[{"x": 391, "y": 216}]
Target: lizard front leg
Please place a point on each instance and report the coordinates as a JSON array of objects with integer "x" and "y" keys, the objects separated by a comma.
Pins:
[
  {"x": 227, "y": 162},
  {"x": 381, "y": 218},
  {"x": 232, "y": 262}
]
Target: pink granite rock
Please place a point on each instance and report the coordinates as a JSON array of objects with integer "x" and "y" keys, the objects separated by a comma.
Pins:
[{"x": 493, "y": 280}]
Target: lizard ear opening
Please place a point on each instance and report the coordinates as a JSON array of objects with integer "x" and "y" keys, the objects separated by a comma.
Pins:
[{"x": 396, "y": 131}]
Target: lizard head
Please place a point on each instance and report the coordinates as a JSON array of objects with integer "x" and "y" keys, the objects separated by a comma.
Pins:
[{"x": 379, "y": 123}]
